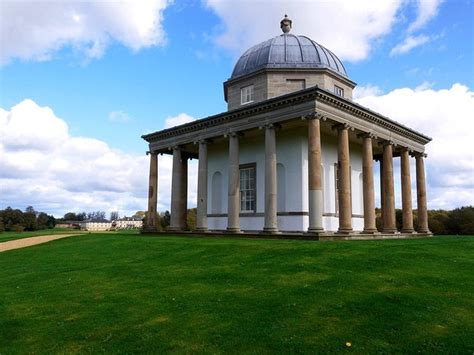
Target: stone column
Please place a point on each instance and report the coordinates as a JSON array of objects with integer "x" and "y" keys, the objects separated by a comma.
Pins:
[
  {"x": 421, "y": 195},
  {"x": 315, "y": 188},
  {"x": 201, "y": 217},
  {"x": 183, "y": 200},
  {"x": 389, "y": 221},
  {"x": 407, "y": 209},
  {"x": 151, "y": 222},
  {"x": 344, "y": 180},
  {"x": 178, "y": 191},
  {"x": 271, "y": 222},
  {"x": 368, "y": 184},
  {"x": 233, "y": 210},
  {"x": 382, "y": 192}
]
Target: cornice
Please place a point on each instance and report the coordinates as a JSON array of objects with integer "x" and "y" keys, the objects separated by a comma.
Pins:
[{"x": 302, "y": 96}]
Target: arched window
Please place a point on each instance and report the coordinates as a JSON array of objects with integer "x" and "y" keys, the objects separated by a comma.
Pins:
[
  {"x": 216, "y": 201},
  {"x": 281, "y": 188}
]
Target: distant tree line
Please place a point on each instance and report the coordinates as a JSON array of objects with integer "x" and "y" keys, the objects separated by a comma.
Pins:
[
  {"x": 84, "y": 216},
  {"x": 459, "y": 221},
  {"x": 15, "y": 220}
]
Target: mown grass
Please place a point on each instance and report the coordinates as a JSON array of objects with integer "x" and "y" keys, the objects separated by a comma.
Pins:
[
  {"x": 119, "y": 293},
  {"x": 7, "y": 236}
]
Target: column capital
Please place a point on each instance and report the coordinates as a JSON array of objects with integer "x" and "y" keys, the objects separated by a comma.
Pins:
[
  {"x": 314, "y": 116},
  {"x": 367, "y": 135},
  {"x": 202, "y": 141},
  {"x": 341, "y": 126},
  {"x": 275, "y": 126},
  {"x": 418, "y": 154},
  {"x": 174, "y": 147},
  {"x": 233, "y": 134},
  {"x": 386, "y": 142}
]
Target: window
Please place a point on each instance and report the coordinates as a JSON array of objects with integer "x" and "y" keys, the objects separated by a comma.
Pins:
[
  {"x": 246, "y": 95},
  {"x": 247, "y": 188},
  {"x": 338, "y": 91}
]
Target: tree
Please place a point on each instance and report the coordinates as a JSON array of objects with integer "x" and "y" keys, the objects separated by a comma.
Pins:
[
  {"x": 70, "y": 216},
  {"x": 139, "y": 214},
  {"x": 114, "y": 215},
  {"x": 51, "y": 223},
  {"x": 165, "y": 219},
  {"x": 42, "y": 220},
  {"x": 191, "y": 219},
  {"x": 29, "y": 218}
]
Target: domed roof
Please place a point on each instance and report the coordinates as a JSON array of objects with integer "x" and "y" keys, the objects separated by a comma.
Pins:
[{"x": 287, "y": 51}]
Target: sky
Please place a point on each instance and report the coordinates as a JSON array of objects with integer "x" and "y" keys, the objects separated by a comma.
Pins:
[{"x": 81, "y": 81}]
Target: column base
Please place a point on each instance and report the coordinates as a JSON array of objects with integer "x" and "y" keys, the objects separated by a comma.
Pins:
[
  {"x": 370, "y": 231},
  {"x": 175, "y": 229},
  {"x": 389, "y": 231},
  {"x": 427, "y": 232},
  {"x": 233, "y": 230},
  {"x": 270, "y": 231},
  {"x": 316, "y": 232},
  {"x": 345, "y": 231},
  {"x": 201, "y": 230},
  {"x": 408, "y": 231}
]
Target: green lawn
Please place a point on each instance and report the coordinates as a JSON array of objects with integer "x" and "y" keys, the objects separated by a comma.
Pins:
[
  {"x": 7, "y": 236},
  {"x": 117, "y": 293}
]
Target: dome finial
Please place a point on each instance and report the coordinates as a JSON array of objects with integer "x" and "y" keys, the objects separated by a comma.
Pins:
[{"x": 285, "y": 24}]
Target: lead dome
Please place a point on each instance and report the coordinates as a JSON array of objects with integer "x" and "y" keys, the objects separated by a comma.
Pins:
[{"x": 288, "y": 51}]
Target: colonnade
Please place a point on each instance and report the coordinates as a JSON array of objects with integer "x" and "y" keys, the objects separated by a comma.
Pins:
[{"x": 315, "y": 188}]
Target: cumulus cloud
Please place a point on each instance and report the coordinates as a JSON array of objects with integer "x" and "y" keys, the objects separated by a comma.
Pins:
[
  {"x": 427, "y": 9},
  {"x": 361, "y": 23},
  {"x": 42, "y": 165},
  {"x": 180, "y": 119},
  {"x": 35, "y": 30},
  {"x": 446, "y": 116},
  {"x": 408, "y": 44},
  {"x": 366, "y": 90}
]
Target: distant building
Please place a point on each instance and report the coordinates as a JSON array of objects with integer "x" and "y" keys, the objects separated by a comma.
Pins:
[
  {"x": 127, "y": 223},
  {"x": 99, "y": 225}
]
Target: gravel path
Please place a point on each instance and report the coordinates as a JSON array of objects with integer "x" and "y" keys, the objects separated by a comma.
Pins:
[{"x": 26, "y": 242}]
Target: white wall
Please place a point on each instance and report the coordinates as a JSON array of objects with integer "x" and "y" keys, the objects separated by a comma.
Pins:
[{"x": 292, "y": 153}]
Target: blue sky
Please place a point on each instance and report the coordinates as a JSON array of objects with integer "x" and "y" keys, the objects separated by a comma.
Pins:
[{"x": 112, "y": 73}]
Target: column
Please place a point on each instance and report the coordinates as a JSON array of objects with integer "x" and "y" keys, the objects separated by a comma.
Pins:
[
  {"x": 421, "y": 195},
  {"x": 315, "y": 187},
  {"x": 151, "y": 222},
  {"x": 382, "y": 192},
  {"x": 407, "y": 210},
  {"x": 201, "y": 217},
  {"x": 344, "y": 180},
  {"x": 271, "y": 223},
  {"x": 233, "y": 210},
  {"x": 178, "y": 191},
  {"x": 368, "y": 184},
  {"x": 389, "y": 221}
]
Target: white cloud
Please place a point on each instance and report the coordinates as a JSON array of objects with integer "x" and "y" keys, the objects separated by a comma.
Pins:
[
  {"x": 445, "y": 115},
  {"x": 349, "y": 28},
  {"x": 408, "y": 44},
  {"x": 427, "y": 9},
  {"x": 180, "y": 119},
  {"x": 35, "y": 30},
  {"x": 42, "y": 165},
  {"x": 367, "y": 90},
  {"x": 119, "y": 116}
]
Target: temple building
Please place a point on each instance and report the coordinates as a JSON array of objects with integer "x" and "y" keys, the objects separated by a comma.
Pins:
[{"x": 293, "y": 154}]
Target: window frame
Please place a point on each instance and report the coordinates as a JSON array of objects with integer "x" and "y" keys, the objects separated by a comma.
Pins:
[
  {"x": 245, "y": 94},
  {"x": 338, "y": 91},
  {"x": 254, "y": 194}
]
